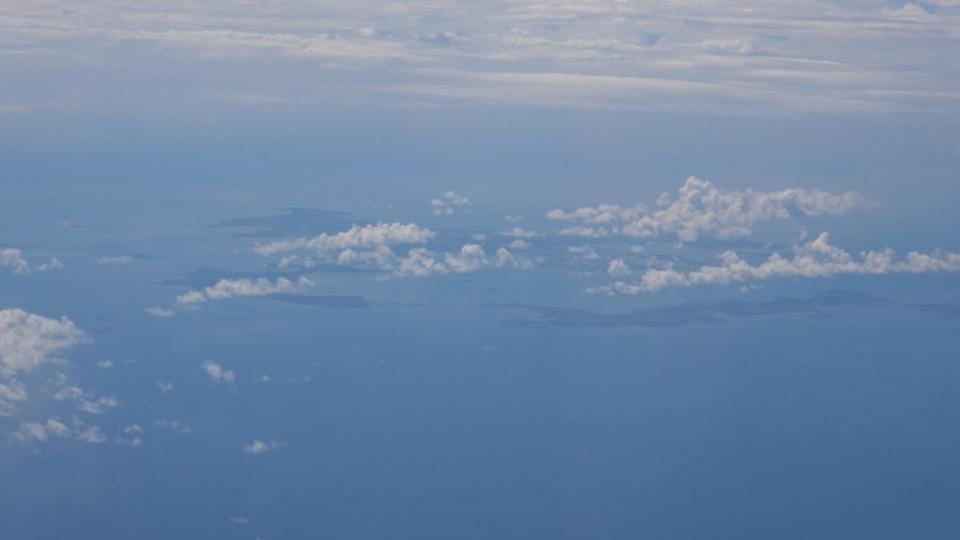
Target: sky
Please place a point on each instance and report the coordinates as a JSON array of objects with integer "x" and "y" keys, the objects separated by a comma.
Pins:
[{"x": 503, "y": 269}]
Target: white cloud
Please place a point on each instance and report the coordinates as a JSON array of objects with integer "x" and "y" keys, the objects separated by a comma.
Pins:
[
  {"x": 584, "y": 252},
  {"x": 448, "y": 203},
  {"x": 518, "y": 232},
  {"x": 164, "y": 387},
  {"x": 115, "y": 259},
  {"x": 232, "y": 288},
  {"x": 37, "y": 432},
  {"x": 13, "y": 259},
  {"x": 617, "y": 267},
  {"x": 158, "y": 311},
  {"x": 471, "y": 258},
  {"x": 173, "y": 425},
  {"x": 52, "y": 264},
  {"x": 130, "y": 441},
  {"x": 86, "y": 401},
  {"x": 259, "y": 447},
  {"x": 133, "y": 432},
  {"x": 99, "y": 405},
  {"x": 678, "y": 56},
  {"x": 370, "y": 246},
  {"x": 814, "y": 259},
  {"x": 357, "y": 237},
  {"x": 92, "y": 435},
  {"x": 217, "y": 373},
  {"x": 701, "y": 209},
  {"x": 44, "y": 432},
  {"x": 28, "y": 341},
  {"x": 585, "y": 232}
]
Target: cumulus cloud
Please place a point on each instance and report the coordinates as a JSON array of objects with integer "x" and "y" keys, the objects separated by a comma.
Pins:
[
  {"x": 701, "y": 209},
  {"x": 54, "y": 428},
  {"x": 357, "y": 237},
  {"x": 448, "y": 203},
  {"x": 586, "y": 253},
  {"x": 14, "y": 259},
  {"x": 86, "y": 401},
  {"x": 115, "y": 259},
  {"x": 470, "y": 258},
  {"x": 259, "y": 447},
  {"x": 217, "y": 373},
  {"x": 37, "y": 432},
  {"x": 52, "y": 264},
  {"x": 815, "y": 259},
  {"x": 518, "y": 232},
  {"x": 371, "y": 246},
  {"x": 28, "y": 340},
  {"x": 617, "y": 267},
  {"x": 232, "y": 288},
  {"x": 92, "y": 435},
  {"x": 175, "y": 426}
]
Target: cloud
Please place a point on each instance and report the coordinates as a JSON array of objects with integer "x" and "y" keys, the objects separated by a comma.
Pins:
[
  {"x": 585, "y": 232},
  {"x": 86, "y": 401},
  {"x": 52, "y": 264},
  {"x": 92, "y": 435},
  {"x": 116, "y": 259},
  {"x": 44, "y": 432},
  {"x": 471, "y": 258},
  {"x": 259, "y": 447},
  {"x": 448, "y": 203},
  {"x": 617, "y": 267},
  {"x": 133, "y": 432},
  {"x": 13, "y": 258},
  {"x": 702, "y": 209},
  {"x": 28, "y": 340},
  {"x": 357, "y": 237},
  {"x": 518, "y": 232},
  {"x": 370, "y": 246},
  {"x": 583, "y": 252},
  {"x": 164, "y": 387},
  {"x": 37, "y": 432},
  {"x": 173, "y": 425},
  {"x": 216, "y": 372},
  {"x": 814, "y": 259},
  {"x": 232, "y": 288},
  {"x": 679, "y": 56}
]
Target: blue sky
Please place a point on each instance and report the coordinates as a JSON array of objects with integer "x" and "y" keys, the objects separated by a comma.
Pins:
[{"x": 275, "y": 270}]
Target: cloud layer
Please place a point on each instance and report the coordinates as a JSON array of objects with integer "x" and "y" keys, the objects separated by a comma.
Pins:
[
  {"x": 815, "y": 259},
  {"x": 700, "y": 209}
]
